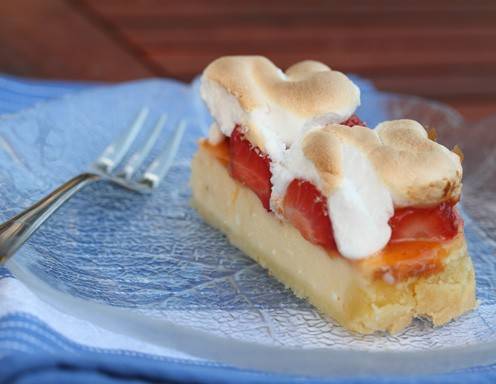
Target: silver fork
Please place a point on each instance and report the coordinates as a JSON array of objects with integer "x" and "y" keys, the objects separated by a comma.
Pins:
[{"x": 17, "y": 230}]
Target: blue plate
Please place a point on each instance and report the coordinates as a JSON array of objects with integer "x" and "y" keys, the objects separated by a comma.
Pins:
[{"x": 150, "y": 268}]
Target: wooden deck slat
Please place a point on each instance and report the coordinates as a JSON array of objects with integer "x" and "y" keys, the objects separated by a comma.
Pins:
[
  {"x": 429, "y": 36},
  {"x": 194, "y": 7},
  {"x": 441, "y": 87},
  {"x": 151, "y": 13},
  {"x": 52, "y": 39},
  {"x": 473, "y": 47},
  {"x": 321, "y": 19}
]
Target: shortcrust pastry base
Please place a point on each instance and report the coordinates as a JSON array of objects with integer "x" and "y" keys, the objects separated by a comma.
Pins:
[{"x": 335, "y": 286}]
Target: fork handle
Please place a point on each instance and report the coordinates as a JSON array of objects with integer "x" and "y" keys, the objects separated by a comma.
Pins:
[{"x": 16, "y": 231}]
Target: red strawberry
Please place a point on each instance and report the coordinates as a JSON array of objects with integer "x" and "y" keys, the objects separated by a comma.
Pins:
[
  {"x": 354, "y": 120},
  {"x": 306, "y": 209},
  {"x": 438, "y": 223},
  {"x": 250, "y": 166}
]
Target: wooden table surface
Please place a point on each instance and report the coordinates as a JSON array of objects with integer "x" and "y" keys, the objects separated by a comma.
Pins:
[{"x": 440, "y": 49}]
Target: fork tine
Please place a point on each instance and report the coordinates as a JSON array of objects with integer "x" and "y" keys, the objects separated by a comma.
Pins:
[
  {"x": 159, "y": 167},
  {"x": 138, "y": 157},
  {"x": 113, "y": 154}
]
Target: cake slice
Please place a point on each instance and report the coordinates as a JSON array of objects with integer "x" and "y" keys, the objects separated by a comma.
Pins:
[{"x": 362, "y": 222}]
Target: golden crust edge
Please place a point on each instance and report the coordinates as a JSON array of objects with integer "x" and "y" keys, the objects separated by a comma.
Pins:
[{"x": 440, "y": 297}]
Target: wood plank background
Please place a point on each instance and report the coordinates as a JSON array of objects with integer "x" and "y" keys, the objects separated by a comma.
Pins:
[{"x": 439, "y": 49}]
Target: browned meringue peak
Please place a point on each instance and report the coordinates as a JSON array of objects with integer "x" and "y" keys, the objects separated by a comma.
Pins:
[
  {"x": 308, "y": 88},
  {"x": 416, "y": 170},
  {"x": 276, "y": 107}
]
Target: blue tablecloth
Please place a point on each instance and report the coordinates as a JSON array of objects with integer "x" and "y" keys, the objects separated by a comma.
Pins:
[{"x": 31, "y": 351}]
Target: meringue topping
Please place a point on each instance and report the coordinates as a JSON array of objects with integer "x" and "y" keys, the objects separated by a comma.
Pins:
[
  {"x": 274, "y": 107},
  {"x": 416, "y": 170}
]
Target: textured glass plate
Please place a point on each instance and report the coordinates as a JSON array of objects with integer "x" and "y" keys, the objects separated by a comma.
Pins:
[{"x": 149, "y": 267}]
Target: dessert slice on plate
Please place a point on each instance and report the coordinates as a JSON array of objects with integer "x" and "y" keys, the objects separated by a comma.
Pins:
[{"x": 362, "y": 222}]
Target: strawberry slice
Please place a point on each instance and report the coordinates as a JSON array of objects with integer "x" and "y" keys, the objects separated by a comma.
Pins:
[
  {"x": 438, "y": 223},
  {"x": 250, "y": 166},
  {"x": 353, "y": 120},
  {"x": 306, "y": 209}
]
